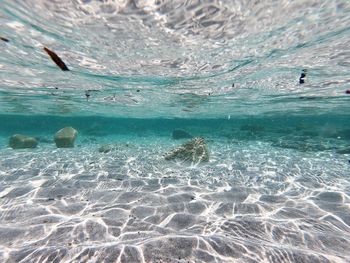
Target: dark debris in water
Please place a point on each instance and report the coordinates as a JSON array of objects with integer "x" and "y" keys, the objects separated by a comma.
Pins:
[
  {"x": 302, "y": 76},
  {"x": 87, "y": 94},
  {"x": 55, "y": 58},
  {"x": 307, "y": 98},
  {"x": 4, "y": 39}
]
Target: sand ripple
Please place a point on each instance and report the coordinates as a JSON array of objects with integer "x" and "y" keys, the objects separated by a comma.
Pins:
[{"x": 250, "y": 203}]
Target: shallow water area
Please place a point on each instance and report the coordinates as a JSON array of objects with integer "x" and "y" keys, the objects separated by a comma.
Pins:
[
  {"x": 265, "y": 84},
  {"x": 254, "y": 200}
]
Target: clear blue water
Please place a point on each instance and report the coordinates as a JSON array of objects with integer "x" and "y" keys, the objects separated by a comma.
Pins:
[{"x": 276, "y": 187}]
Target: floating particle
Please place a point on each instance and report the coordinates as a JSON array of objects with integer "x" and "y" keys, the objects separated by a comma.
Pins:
[
  {"x": 56, "y": 59},
  {"x": 138, "y": 90},
  {"x": 87, "y": 94},
  {"x": 233, "y": 85},
  {"x": 347, "y": 91},
  {"x": 4, "y": 39},
  {"x": 302, "y": 76},
  {"x": 307, "y": 98}
]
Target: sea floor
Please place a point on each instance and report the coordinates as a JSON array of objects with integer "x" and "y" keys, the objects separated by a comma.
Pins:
[{"x": 253, "y": 202}]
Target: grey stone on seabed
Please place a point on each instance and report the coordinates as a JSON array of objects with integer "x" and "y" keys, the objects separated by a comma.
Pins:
[
  {"x": 106, "y": 148},
  {"x": 19, "y": 141},
  {"x": 65, "y": 137},
  {"x": 194, "y": 151},
  {"x": 181, "y": 134},
  {"x": 344, "y": 151}
]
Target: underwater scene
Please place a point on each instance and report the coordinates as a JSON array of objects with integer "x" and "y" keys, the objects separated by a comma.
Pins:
[{"x": 174, "y": 131}]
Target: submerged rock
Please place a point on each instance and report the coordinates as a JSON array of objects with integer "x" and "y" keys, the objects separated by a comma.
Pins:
[
  {"x": 65, "y": 137},
  {"x": 19, "y": 141},
  {"x": 181, "y": 134},
  {"x": 254, "y": 128},
  {"x": 302, "y": 146},
  {"x": 194, "y": 151},
  {"x": 305, "y": 143},
  {"x": 106, "y": 148},
  {"x": 344, "y": 151}
]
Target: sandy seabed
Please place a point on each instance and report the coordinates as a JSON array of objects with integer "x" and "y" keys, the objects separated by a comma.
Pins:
[{"x": 251, "y": 203}]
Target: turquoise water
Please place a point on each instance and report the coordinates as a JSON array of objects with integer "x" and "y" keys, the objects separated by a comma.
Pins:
[{"x": 276, "y": 187}]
